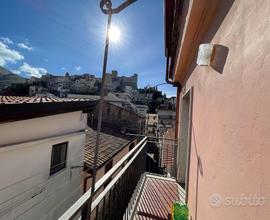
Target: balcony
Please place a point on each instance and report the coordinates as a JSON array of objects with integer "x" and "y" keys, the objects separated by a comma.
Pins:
[{"x": 140, "y": 187}]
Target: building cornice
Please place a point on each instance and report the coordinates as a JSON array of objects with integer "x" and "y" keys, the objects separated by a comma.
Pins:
[{"x": 192, "y": 21}]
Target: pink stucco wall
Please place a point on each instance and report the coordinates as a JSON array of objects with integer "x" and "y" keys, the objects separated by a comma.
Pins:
[{"x": 231, "y": 119}]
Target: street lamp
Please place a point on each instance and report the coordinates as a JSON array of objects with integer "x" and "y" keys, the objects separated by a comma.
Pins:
[{"x": 112, "y": 34}]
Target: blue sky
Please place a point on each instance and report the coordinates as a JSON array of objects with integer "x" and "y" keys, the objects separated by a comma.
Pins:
[{"x": 58, "y": 36}]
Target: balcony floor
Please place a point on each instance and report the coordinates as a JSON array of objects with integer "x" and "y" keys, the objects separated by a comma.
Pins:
[{"x": 156, "y": 197}]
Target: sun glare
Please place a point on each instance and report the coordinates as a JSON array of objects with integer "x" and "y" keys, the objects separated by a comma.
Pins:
[{"x": 114, "y": 34}]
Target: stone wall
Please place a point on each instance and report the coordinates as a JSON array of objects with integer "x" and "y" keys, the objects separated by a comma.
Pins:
[{"x": 125, "y": 121}]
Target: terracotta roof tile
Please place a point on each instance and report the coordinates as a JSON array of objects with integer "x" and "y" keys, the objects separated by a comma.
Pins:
[
  {"x": 158, "y": 195},
  {"x": 111, "y": 143},
  {"x": 37, "y": 99},
  {"x": 14, "y": 108}
]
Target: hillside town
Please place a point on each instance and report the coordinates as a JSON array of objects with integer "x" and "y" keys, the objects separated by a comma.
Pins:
[
  {"x": 176, "y": 126},
  {"x": 81, "y": 84},
  {"x": 121, "y": 91}
]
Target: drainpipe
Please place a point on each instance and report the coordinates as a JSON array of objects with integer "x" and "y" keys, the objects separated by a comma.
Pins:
[
  {"x": 168, "y": 70},
  {"x": 177, "y": 112},
  {"x": 179, "y": 88}
]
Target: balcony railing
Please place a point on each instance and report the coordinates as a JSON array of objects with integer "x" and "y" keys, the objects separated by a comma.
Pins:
[{"x": 113, "y": 200}]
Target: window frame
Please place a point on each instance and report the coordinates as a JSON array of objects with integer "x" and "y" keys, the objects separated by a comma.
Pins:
[
  {"x": 53, "y": 170},
  {"x": 185, "y": 95}
]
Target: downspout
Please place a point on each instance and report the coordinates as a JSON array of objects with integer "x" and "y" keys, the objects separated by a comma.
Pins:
[
  {"x": 177, "y": 112},
  {"x": 179, "y": 88}
]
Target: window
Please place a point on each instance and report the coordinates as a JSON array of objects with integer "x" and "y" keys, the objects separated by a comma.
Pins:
[
  {"x": 58, "y": 157},
  {"x": 184, "y": 139},
  {"x": 108, "y": 166}
]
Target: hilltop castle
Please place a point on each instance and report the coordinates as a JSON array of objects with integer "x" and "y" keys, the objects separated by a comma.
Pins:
[{"x": 82, "y": 84}]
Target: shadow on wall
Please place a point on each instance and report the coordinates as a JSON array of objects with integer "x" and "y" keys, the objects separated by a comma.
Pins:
[
  {"x": 199, "y": 171},
  {"x": 222, "y": 11},
  {"x": 220, "y": 57}
]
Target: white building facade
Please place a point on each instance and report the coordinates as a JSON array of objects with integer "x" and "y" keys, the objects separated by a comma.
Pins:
[
  {"x": 41, "y": 163},
  {"x": 142, "y": 110},
  {"x": 151, "y": 123}
]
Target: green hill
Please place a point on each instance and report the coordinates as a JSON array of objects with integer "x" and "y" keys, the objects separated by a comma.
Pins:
[{"x": 8, "y": 78}]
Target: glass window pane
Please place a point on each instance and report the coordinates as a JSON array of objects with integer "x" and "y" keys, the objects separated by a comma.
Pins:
[{"x": 58, "y": 157}]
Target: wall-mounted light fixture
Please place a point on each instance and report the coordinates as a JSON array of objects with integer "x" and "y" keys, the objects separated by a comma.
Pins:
[{"x": 205, "y": 54}]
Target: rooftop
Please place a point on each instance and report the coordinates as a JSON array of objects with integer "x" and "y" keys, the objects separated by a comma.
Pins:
[
  {"x": 13, "y": 108},
  {"x": 156, "y": 196},
  {"x": 111, "y": 142},
  {"x": 110, "y": 97},
  {"x": 37, "y": 99}
]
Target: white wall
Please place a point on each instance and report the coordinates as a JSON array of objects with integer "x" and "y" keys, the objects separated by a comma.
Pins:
[
  {"x": 27, "y": 191},
  {"x": 43, "y": 127},
  {"x": 152, "y": 119},
  {"x": 166, "y": 116}
]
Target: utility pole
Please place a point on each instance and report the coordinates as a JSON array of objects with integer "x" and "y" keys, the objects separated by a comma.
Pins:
[{"x": 106, "y": 8}]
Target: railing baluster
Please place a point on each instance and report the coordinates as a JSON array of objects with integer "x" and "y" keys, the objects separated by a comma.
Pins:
[
  {"x": 119, "y": 197},
  {"x": 96, "y": 212},
  {"x": 110, "y": 203},
  {"x": 103, "y": 208}
]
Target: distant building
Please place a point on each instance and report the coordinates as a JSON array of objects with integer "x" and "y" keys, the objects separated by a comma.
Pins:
[
  {"x": 37, "y": 90},
  {"x": 41, "y": 155},
  {"x": 151, "y": 123},
  {"x": 115, "y": 83},
  {"x": 116, "y": 111},
  {"x": 124, "y": 96},
  {"x": 84, "y": 84},
  {"x": 113, "y": 147},
  {"x": 166, "y": 117},
  {"x": 61, "y": 85},
  {"x": 128, "y": 121},
  {"x": 110, "y": 98},
  {"x": 168, "y": 103},
  {"x": 142, "y": 110}
]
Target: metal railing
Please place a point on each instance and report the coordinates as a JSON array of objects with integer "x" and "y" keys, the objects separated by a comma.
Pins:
[
  {"x": 112, "y": 201},
  {"x": 134, "y": 199}
]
